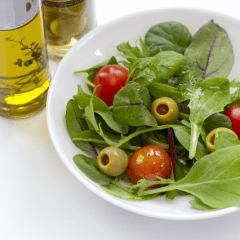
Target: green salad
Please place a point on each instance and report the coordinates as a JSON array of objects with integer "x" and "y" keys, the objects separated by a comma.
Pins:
[{"x": 162, "y": 118}]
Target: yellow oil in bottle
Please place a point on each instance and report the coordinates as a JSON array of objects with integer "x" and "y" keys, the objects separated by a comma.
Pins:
[{"x": 24, "y": 71}]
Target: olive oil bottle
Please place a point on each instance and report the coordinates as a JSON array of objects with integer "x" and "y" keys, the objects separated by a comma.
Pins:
[
  {"x": 24, "y": 71},
  {"x": 65, "y": 23}
]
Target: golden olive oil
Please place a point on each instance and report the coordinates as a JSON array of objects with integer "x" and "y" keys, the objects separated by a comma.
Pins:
[
  {"x": 24, "y": 71},
  {"x": 65, "y": 23}
]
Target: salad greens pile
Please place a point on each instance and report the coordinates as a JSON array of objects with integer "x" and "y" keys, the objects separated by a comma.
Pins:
[{"x": 193, "y": 71}]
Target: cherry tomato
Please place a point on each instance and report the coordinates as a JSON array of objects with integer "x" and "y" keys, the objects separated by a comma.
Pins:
[
  {"x": 111, "y": 79},
  {"x": 149, "y": 161},
  {"x": 234, "y": 114}
]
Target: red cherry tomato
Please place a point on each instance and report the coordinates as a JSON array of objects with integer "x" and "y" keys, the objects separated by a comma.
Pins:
[
  {"x": 111, "y": 78},
  {"x": 149, "y": 161},
  {"x": 234, "y": 114}
]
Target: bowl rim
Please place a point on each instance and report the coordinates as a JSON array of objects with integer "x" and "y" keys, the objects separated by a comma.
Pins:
[{"x": 109, "y": 198}]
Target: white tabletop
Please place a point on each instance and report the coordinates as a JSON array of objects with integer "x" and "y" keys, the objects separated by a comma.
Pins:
[{"x": 41, "y": 200}]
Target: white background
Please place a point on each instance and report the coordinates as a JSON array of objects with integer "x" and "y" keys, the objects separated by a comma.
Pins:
[{"x": 41, "y": 200}]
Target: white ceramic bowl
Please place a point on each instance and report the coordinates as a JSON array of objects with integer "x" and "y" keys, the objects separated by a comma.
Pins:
[{"x": 98, "y": 46}]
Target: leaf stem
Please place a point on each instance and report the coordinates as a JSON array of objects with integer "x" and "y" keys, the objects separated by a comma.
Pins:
[
  {"x": 132, "y": 135},
  {"x": 172, "y": 149},
  {"x": 121, "y": 186},
  {"x": 194, "y": 140}
]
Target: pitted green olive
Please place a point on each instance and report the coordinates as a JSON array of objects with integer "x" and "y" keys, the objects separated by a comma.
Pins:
[
  {"x": 165, "y": 110},
  {"x": 211, "y": 137},
  {"x": 112, "y": 161}
]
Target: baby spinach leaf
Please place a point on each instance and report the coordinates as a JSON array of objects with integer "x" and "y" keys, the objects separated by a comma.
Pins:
[
  {"x": 208, "y": 97},
  {"x": 100, "y": 107},
  {"x": 158, "y": 90},
  {"x": 93, "y": 70},
  {"x": 108, "y": 118},
  {"x": 131, "y": 104},
  {"x": 83, "y": 100},
  {"x": 132, "y": 53},
  {"x": 90, "y": 116},
  {"x": 167, "y": 36},
  {"x": 225, "y": 139},
  {"x": 88, "y": 136},
  {"x": 110, "y": 138},
  {"x": 89, "y": 167},
  {"x": 217, "y": 120},
  {"x": 210, "y": 54},
  {"x": 77, "y": 124},
  {"x": 214, "y": 179},
  {"x": 74, "y": 118}
]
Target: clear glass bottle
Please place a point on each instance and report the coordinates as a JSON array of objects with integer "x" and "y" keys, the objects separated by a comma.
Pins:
[
  {"x": 24, "y": 71},
  {"x": 65, "y": 22}
]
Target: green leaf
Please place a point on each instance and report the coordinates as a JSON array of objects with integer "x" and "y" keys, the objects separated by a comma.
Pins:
[
  {"x": 158, "y": 90},
  {"x": 83, "y": 100},
  {"x": 225, "y": 139},
  {"x": 110, "y": 138},
  {"x": 101, "y": 108},
  {"x": 198, "y": 204},
  {"x": 88, "y": 136},
  {"x": 162, "y": 66},
  {"x": 144, "y": 184},
  {"x": 123, "y": 193},
  {"x": 235, "y": 87},
  {"x": 183, "y": 135},
  {"x": 108, "y": 118},
  {"x": 214, "y": 179},
  {"x": 89, "y": 167},
  {"x": 131, "y": 104},
  {"x": 150, "y": 139},
  {"x": 75, "y": 119},
  {"x": 90, "y": 116},
  {"x": 210, "y": 54},
  {"x": 132, "y": 53},
  {"x": 77, "y": 124},
  {"x": 167, "y": 36},
  {"x": 208, "y": 97},
  {"x": 217, "y": 120},
  {"x": 93, "y": 70},
  {"x": 139, "y": 131}
]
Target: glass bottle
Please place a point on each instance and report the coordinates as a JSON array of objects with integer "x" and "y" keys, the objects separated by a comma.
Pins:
[
  {"x": 24, "y": 71},
  {"x": 65, "y": 22}
]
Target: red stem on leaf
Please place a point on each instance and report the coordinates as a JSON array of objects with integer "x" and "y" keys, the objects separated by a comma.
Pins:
[{"x": 172, "y": 149}]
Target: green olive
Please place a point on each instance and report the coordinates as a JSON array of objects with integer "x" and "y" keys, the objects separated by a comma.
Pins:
[
  {"x": 211, "y": 137},
  {"x": 165, "y": 110},
  {"x": 112, "y": 161}
]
